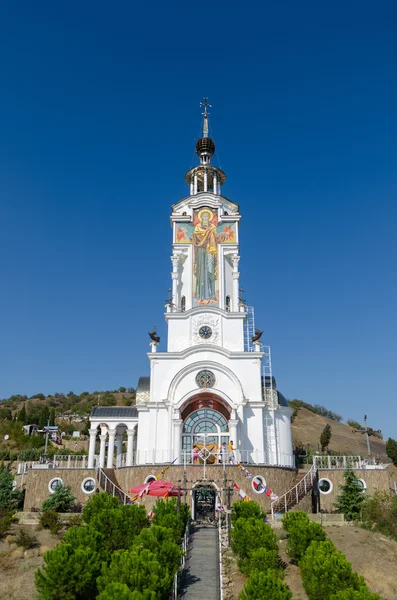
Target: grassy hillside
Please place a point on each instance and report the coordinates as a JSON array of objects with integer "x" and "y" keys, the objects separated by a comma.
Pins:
[{"x": 307, "y": 428}]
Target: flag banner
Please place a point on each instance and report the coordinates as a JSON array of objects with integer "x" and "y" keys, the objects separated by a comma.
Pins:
[
  {"x": 236, "y": 486},
  {"x": 273, "y": 497},
  {"x": 150, "y": 515},
  {"x": 241, "y": 494}
]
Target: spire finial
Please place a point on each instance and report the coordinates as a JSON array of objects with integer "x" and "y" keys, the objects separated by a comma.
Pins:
[{"x": 205, "y": 104}]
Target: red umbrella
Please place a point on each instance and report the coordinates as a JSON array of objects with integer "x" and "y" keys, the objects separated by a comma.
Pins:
[{"x": 159, "y": 488}]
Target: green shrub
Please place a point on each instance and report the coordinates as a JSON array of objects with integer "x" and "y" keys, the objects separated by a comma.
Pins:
[
  {"x": 249, "y": 535},
  {"x": 165, "y": 514},
  {"x": 97, "y": 503},
  {"x": 62, "y": 500},
  {"x": 263, "y": 585},
  {"x": 10, "y": 499},
  {"x": 49, "y": 519},
  {"x": 86, "y": 537},
  {"x": 139, "y": 570},
  {"x": 75, "y": 521},
  {"x": 26, "y": 540},
  {"x": 5, "y": 522},
  {"x": 350, "y": 500},
  {"x": 352, "y": 594},
  {"x": 261, "y": 560},
  {"x": 68, "y": 574},
  {"x": 290, "y": 518},
  {"x": 120, "y": 525},
  {"x": 246, "y": 510},
  {"x": 119, "y": 591},
  {"x": 160, "y": 541},
  {"x": 301, "y": 535},
  {"x": 325, "y": 571},
  {"x": 379, "y": 512}
]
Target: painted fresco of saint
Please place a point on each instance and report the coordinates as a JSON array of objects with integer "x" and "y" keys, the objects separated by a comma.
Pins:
[{"x": 205, "y": 240}]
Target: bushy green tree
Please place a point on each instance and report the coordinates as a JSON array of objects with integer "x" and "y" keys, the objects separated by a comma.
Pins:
[
  {"x": 97, "y": 503},
  {"x": 293, "y": 517},
  {"x": 120, "y": 591},
  {"x": 160, "y": 541},
  {"x": 325, "y": 437},
  {"x": 391, "y": 450},
  {"x": 22, "y": 416},
  {"x": 165, "y": 514},
  {"x": 245, "y": 510},
  {"x": 86, "y": 537},
  {"x": 261, "y": 560},
  {"x": 352, "y": 594},
  {"x": 265, "y": 585},
  {"x": 44, "y": 415},
  {"x": 326, "y": 571},
  {"x": 249, "y": 535},
  {"x": 139, "y": 569},
  {"x": 301, "y": 535},
  {"x": 351, "y": 498},
  {"x": 120, "y": 525},
  {"x": 62, "y": 500},
  {"x": 69, "y": 574},
  {"x": 379, "y": 512},
  {"x": 10, "y": 499}
]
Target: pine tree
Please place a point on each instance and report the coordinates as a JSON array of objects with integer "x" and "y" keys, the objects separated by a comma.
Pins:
[
  {"x": 52, "y": 416},
  {"x": 351, "y": 498},
  {"x": 325, "y": 437},
  {"x": 22, "y": 415},
  {"x": 391, "y": 450},
  {"x": 44, "y": 415}
]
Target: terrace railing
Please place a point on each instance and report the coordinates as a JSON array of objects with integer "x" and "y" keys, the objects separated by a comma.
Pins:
[
  {"x": 291, "y": 498},
  {"x": 110, "y": 487}
]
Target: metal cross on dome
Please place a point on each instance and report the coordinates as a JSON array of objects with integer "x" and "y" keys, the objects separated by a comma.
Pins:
[{"x": 205, "y": 104}]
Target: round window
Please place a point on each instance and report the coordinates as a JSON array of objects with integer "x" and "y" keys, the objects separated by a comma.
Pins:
[
  {"x": 361, "y": 484},
  {"x": 205, "y": 332},
  {"x": 258, "y": 484},
  {"x": 54, "y": 483},
  {"x": 325, "y": 486},
  {"x": 205, "y": 379},
  {"x": 150, "y": 478},
  {"x": 88, "y": 485}
]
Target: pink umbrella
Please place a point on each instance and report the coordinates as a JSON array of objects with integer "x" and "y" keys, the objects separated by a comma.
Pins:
[{"x": 159, "y": 488}]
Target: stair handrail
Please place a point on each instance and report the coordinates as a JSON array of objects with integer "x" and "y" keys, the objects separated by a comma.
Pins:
[
  {"x": 110, "y": 487},
  {"x": 292, "y": 496}
]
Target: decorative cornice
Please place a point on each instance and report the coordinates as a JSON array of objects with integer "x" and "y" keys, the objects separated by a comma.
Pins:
[{"x": 205, "y": 347}]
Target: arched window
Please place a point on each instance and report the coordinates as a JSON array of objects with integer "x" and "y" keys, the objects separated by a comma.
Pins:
[
  {"x": 228, "y": 303},
  {"x": 183, "y": 304}
]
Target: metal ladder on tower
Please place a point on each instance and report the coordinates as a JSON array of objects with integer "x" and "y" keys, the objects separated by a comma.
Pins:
[
  {"x": 249, "y": 329},
  {"x": 269, "y": 395}
]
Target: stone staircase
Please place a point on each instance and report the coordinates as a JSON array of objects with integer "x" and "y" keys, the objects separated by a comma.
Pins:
[
  {"x": 108, "y": 482},
  {"x": 304, "y": 482}
]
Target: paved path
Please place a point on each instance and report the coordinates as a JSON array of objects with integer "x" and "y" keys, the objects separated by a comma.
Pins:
[{"x": 201, "y": 580}]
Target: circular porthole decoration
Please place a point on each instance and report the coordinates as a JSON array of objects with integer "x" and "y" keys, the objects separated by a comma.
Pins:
[
  {"x": 150, "y": 478},
  {"x": 55, "y": 481},
  {"x": 88, "y": 485},
  {"x": 258, "y": 484},
  {"x": 362, "y": 485},
  {"x": 205, "y": 379},
  {"x": 205, "y": 332},
  {"x": 325, "y": 486}
]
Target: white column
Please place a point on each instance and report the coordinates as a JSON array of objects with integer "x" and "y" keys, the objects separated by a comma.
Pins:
[
  {"x": 102, "y": 449},
  {"x": 195, "y": 184},
  {"x": 177, "y": 425},
  {"x": 119, "y": 449},
  {"x": 112, "y": 435},
  {"x": 174, "y": 275},
  {"x": 205, "y": 181},
  {"x": 91, "y": 451},
  {"x": 130, "y": 447},
  {"x": 215, "y": 183},
  {"x": 191, "y": 186},
  {"x": 236, "y": 276},
  {"x": 233, "y": 437}
]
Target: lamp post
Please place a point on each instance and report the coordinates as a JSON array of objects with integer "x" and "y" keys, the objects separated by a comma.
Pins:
[{"x": 368, "y": 431}]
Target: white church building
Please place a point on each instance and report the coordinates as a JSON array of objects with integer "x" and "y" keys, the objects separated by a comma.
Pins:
[{"x": 211, "y": 396}]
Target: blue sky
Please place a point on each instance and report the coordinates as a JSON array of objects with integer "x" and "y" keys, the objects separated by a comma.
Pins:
[{"x": 99, "y": 112}]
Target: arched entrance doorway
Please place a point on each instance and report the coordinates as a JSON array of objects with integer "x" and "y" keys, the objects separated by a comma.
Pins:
[
  {"x": 205, "y": 433},
  {"x": 204, "y": 502}
]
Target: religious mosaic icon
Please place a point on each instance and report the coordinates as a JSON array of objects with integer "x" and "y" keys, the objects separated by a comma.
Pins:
[
  {"x": 205, "y": 379},
  {"x": 205, "y": 234},
  {"x": 205, "y": 332}
]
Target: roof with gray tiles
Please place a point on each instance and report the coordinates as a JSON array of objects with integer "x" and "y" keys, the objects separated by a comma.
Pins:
[{"x": 124, "y": 412}]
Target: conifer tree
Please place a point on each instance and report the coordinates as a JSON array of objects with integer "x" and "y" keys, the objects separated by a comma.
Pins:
[
  {"x": 22, "y": 415},
  {"x": 350, "y": 500},
  {"x": 325, "y": 437},
  {"x": 391, "y": 450}
]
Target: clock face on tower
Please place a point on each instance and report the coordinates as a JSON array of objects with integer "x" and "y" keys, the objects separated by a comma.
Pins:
[{"x": 205, "y": 332}]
